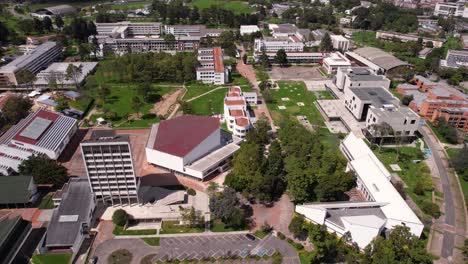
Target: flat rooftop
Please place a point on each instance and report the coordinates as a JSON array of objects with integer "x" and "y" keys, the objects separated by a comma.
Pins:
[
  {"x": 214, "y": 158},
  {"x": 378, "y": 96}
]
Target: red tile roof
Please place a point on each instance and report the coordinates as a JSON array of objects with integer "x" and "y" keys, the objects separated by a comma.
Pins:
[
  {"x": 42, "y": 114},
  {"x": 235, "y": 89},
  {"x": 180, "y": 135},
  {"x": 236, "y": 112},
  {"x": 233, "y": 94},
  {"x": 242, "y": 121},
  {"x": 218, "y": 59},
  {"x": 234, "y": 102}
]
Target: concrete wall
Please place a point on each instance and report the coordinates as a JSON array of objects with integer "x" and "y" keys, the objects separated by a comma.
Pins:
[{"x": 164, "y": 160}]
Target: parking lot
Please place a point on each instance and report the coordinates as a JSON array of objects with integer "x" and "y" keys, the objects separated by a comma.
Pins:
[{"x": 296, "y": 73}]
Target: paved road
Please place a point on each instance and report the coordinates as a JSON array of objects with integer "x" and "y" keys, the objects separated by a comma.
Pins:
[
  {"x": 449, "y": 237},
  {"x": 137, "y": 247}
]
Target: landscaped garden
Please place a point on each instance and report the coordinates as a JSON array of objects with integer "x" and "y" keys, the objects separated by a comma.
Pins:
[
  {"x": 174, "y": 227},
  {"x": 121, "y": 256},
  {"x": 152, "y": 241},
  {"x": 120, "y": 231},
  {"x": 209, "y": 104},
  {"x": 51, "y": 258}
]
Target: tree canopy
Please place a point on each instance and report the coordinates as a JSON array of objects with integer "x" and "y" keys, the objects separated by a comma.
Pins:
[{"x": 44, "y": 170}]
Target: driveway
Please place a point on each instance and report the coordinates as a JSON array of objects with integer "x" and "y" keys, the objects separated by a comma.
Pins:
[{"x": 136, "y": 246}]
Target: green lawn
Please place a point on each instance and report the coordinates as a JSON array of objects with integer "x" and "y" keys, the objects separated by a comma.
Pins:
[
  {"x": 173, "y": 227},
  {"x": 219, "y": 226},
  {"x": 452, "y": 43},
  {"x": 196, "y": 89},
  {"x": 131, "y": 5},
  {"x": 296, "y": 92},
  {"x": 305, "y": 257},
  {"x": 83, "y": 103},
  {"x": 464, "y": 184},
  {"x": 411, "y": 173},
  {"x": 120, "y": 231},
  {"x": 210, "y": 103},
  {"x": 323, "y": 95},
  {"x": 47, "y": 202},
  {"x": 260, "y": 234},
  {"x": 152, "y": 241},
  {"x": 51, "y": 259},
  {"x": 239, "y": 80},
  {"x": 238, "y": 7}
]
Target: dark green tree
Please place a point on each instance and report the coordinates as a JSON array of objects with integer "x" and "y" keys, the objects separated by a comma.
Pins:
[
  {"x": 326, "y": 43},
  {"x": 120, "y": 217},
  {"x": 281, "y": 57},
  {"x": 44, "y": 170},
  {"x": 47, "y": 24},
  {"x": 59, "y": 22},
  {"x": 16, "y": 108}
]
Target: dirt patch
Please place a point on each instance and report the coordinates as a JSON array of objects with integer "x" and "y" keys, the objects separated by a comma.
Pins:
[{"x": 162, "y": 107}]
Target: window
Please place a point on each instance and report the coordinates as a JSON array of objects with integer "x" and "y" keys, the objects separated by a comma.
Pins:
[{"x": 413, "y": 121}]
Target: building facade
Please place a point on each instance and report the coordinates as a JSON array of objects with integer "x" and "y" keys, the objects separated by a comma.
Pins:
[
  {"x": 333, "y": 61},
  {"x": 212, "y": 69},
  {"x": 354, "y": 77},
  {"x": 109, "y": 165},
  {"x": 236, "y": 114}
]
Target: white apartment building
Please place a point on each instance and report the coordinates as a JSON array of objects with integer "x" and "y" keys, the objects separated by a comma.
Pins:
[
  {"x": 383, "y": 209},
  {"x": 42, "y": 131},
  {"x": 212, "y": 69},
  {"x": 451, "y": 9},
  {"x": 334, "y": 61},
  {"x": 339, "y": 42},
  {"x": 189, "y": 145},
  {"x": 350, "y": 77},
  {"x": 236, "y": 114},
  {"x": 58, "y": 70},
  {"x": 270, "y": 44},
  {"x": 294, "y": 57},
  {"x": 177, "y": 30},
  {"x": 248, "y": 29},
  {"x": 126, "y": 28},
  {"x": 33, "y": 61},
  {"x": 109, "y": 165},
  {"x": 377, "y": 105}
]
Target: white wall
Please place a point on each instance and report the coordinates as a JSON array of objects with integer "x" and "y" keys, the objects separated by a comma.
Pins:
[
  {"x": 355, "y": 105},
  {"x": 164, "y": 160},
  {"x": 210, "y": 143}
]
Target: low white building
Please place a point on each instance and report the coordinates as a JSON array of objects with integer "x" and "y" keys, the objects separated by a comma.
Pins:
[
  {"x": 42, "y": 131},
  {"x": 339, "y": 42},
  {"x": 58, "y": 70},
  {"x": 334, "y": 61},
  {"x": 294, "y": 57},
  {"x": 451, "y": 9},
  {"x": 248, "y": 29},
  {"x": 236, "y": 114},
  {"x": 270, "y": 44},
  {"x": 352, "y": 77},
  {"x": 383, "y": 209},
  {"x": 190, "y": 145},
  {"x": 212, "y": 69}
]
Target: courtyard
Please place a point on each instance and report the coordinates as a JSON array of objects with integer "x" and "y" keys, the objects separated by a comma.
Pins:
[{"x": 296, "y": 73}]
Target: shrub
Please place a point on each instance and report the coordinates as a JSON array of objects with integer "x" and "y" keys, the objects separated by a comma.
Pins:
[
  {"x": 430, "y": 208},
  {"x": 120, "y": 217},
  {"x": 266, "y": 228},
  {"x": 191, "y": 192},
  {"x": 148, "y": 116},
  {"x": 277, "y": 258},
  {"x": 419, "y": 188},
  {"x": 296, "y": 227},
  {"x": 281, "y": 236},
  {"x": 297, "y": 246},
  {"x": 289, "y": 240}
]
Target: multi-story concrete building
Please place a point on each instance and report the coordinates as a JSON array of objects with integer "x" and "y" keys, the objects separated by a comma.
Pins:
[
  {"x": 271, "y": 44},
  {"x": 127, "y": 28},
  {"x": 294, "y": 57},
  {"x": 376, "y": 106},
  {"x": 212, "y": 69},
  {"x": 333, "y": 61},
  {"x": 339, "y": 42},
  {"x": 109, "y": 164},
  {"x": 354, "y": 77},
  {"x": 386, "y": 35},
  {"x": 34, "y": 61},
  {"x": 236, "y": 114},
  {"x": 382, "y": 210},
  {"x": 455, "y": 59},
  {"x": 451, "y": 9},
  {"x": 192, "y": 146},
  {"x": 58, "y": 70},
  {"x": 456, "y": 117},
  {"x": 42, "y": 131}
]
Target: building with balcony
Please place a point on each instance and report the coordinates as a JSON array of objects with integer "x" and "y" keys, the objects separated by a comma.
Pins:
[
  {"x": 355, "y": 77},
  {"x": 456, "y": 117},
  {"x": 41, "y": 132},
  {"x": 109, "y": 165},
  {"x": 236, "y": 114},
  {"x": 71, "y": 219},
  {"x": 273, "y": 44},
  {"x": 212, "y": 69},
  {"x": 38, "y": 59},
  {"x": 382, "y": 210},
  {"x": 192, "y": 146}
]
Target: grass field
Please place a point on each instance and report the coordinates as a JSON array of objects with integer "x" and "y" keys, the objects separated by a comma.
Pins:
[
  {"x": 47, "y": 202},
  {"x": 196, "y": 89},
  {"x": 411, "y": 173},
  {"x": 238, "y": 7},
  {"x": 173, "y": 227},
  {"x": 120, "y": 231},
  {"x": 152, "y": 241},
  {"x": 209, "y": 104},
  {"x": 132, "y": 5},
  {"x": 218, "y": 226},
  {"x": 51, "y": 259}
]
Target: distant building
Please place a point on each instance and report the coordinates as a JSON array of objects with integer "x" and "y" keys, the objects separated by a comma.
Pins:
[
  {"x": 14, "y": 231},
  {"x": 455, "y": 59},
  {"x": 382, "y": 210},
  {"x": 109, "y": 165},
  {"x": 378, "y": 60},
  {"x": 465, "y": 41},
  {"x": 350, "y": 77},
  {"x": 72, "y": 219},
  {"x": 34, "y": 61},
  {"x": 294, "y": 57},
  {"x": 456, "y": 117},
  {"x": 248, "y": 29},
  {"x": 17, "y": 191},
  {"x": 58, "y": 70},
  {"x": 53, "y": 11},
  {"x": 42, "y": 131},
  {"x": 386, "y": 35},
  {"x": 202, "y": 152},
  {"x": 334, "y": 61},
  {"x": 236, "y": 114},
  {"x": 339, "y": 42},
  {"x": 451, "y": 9},
  {"x": 212, "y": 69},
  {"x": 271, "y": 44}
]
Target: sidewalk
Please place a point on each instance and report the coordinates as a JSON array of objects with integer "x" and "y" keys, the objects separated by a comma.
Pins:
[{"x": 206, "y": 233}]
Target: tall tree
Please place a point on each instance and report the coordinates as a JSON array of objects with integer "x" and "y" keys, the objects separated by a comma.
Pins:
[
  {"x": 26, "y": 77},
  {"x": 16, "y": 108},
  {"x": 74, "y": 73},
  {"x": 59, "y": 22},
  {"x": 170, "y": 41},
  {"x": 136, "y": 105},
  {"x": 44, "y": 170},
  {"x": 47, "y": 24},
  {"x": 326, "y": 43},
  {"x": 52, "y": 81},
  {"x": 281, "y": 57}
]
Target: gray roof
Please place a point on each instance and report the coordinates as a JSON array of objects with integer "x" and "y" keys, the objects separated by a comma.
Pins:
[
  {"x": 335, "y": 215},
  {"x": 381, "y": 58},
  {"x": 26, "y": 59},
  {"x": 7, "y": 226},
  {"x": 59, "y": 10},
  {"x": 378, "y": 96},
  {"x": 106, "y": 135},
  {"x": 364, "y": 74},
  {"x": 73, "y": 211},
  {"x": 14, "y": 189}
]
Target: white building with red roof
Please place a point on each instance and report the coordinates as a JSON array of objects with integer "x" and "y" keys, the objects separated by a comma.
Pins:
[
  {"x": 212, "y": 69},
  {"x": 190, "y": 145},
  {"x": 42, "y": 131},
  {"x": 236, "y": 114}
]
